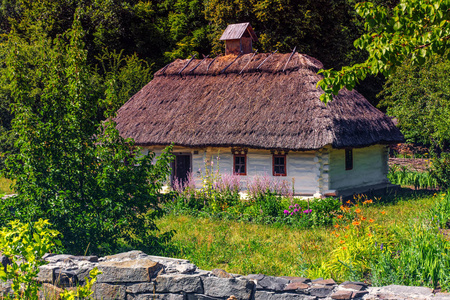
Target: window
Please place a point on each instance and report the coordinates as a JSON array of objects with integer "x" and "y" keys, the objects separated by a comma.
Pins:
[
  {"x": 279, "y": 165},
  {"x": 240, "y": 164},
  {"x": 348, "y": 159}
]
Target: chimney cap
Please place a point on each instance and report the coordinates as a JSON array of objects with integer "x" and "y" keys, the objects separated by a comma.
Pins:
[{"x": 236, "y": 31}]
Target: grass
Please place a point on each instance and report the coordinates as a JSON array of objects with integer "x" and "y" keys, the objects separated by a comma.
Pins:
[
  {"x": 246, "y": 248},
  {"x": 5, "y": 186}
]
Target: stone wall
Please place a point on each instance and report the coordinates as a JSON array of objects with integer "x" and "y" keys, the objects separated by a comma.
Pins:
[{"x": 137, "y": 276}]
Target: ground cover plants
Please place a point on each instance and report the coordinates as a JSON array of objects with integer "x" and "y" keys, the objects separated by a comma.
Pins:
[
  {"x": 394, "y": 239},
  {"x": 267, "y": 200}
]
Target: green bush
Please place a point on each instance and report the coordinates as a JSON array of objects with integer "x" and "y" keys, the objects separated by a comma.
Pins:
[
  {"x": 440, "y": 171},
  {"x": 25, "y": 244}
]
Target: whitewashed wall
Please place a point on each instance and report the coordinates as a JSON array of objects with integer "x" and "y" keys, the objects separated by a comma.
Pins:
[
  {"x": 369, "y": 167},
  {"x": 303, "y": 167}
]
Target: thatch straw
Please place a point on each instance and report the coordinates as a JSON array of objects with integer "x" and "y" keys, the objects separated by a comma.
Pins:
[{"x": 264, "y": 108}]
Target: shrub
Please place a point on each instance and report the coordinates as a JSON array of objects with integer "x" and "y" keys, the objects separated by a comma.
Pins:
[
  {"x": 25, "y": 244},
  {"x": 440, "y": 171}
]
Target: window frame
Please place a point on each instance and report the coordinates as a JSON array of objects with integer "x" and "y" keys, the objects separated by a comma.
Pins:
[
  {"x": 284, "y": 165},
  {"x": 245, "y": 164}
]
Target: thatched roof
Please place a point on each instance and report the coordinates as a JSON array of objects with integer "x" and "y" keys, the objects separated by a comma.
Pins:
[{"x": 253, "y": 107}]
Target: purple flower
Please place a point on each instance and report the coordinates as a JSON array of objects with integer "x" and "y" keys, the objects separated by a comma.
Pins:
[
  {"x": 295, "y": 210},
  {"x": 286, "y": 212},
  {"x": 307, "y": 211},
  {"x": 290, "y": 206},
  {"x": 296, "y": 205}
]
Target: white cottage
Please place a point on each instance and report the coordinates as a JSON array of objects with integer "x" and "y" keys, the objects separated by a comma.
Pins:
[{"x": 261, "y": 114}]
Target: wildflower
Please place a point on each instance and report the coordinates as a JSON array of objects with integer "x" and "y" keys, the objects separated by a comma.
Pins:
[
  {"x": 290, "y": 207},
  {"x": 286, "y": 212},
  {"x": 341, "y": 241},
  {"x": 348, "y": 202},
  {"x": 340, "y": 216},
  {"x": 344, "y": 248},
  {"x": 358, "y": 211},
  {"x": 371, "y": 220},
  {"x": 363, "y": 218},
  {"x": 296, "y": 205},
  {"x": 356, "y": 223},
  {"x": 295, "y": 210},
  {"x": 336, "y": 225},
  {"x": 369, "y": 201},
  {"x": 383, "y": 212},
  {"x": 347, "y": 227},
  {"x": 369, "y": 234}
]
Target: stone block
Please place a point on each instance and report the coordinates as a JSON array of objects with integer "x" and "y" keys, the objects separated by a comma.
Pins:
[
  {"x": 407, "y": 290},
  {"x": 130, "y": 255},
  {"x": 221, "y": 273},
  {"x": 45, "y": 274},
  {"x": 49, "y": 291},
  {"x": 296, "y": 286},
  {"x": 342, "y": 295},
  {"x": 200, "y": 297},
  {"x": 137, "y": 270},
  {"x": 325, "y": 282},
  {"x": 179, "y": 283},
  {"x": 156, "y": 297},
  {"x": 225, "y": 287},
  {"x": 106, "y": 291},
  {"x": 353, "y": 286},
  {"x": 276, "y": 284},
  {"x": 321, "y": 291},
  {"x": 359, "y": 294},
  {"x": 264, "y": 295},
  {"x": 64, "y": 278},
  {"x": 141, "y": 288}
]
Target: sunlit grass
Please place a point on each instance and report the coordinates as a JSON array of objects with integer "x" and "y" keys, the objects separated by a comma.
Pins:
[
  {"x": 5, "y": 186},
  {"x": 246, "y": 248}
]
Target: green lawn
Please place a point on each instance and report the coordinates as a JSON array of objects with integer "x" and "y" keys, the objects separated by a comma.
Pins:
[{"x": 246, "y": 248}]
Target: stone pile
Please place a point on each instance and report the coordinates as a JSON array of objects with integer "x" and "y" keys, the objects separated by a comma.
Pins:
[{"x": 137, "y": 276}]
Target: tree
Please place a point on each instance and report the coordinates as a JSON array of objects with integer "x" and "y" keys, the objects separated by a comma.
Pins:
[
  {"x": 97, "y": 188},
  {"x": 414, "y": 31},
  {"x": 419, "y": 97}
]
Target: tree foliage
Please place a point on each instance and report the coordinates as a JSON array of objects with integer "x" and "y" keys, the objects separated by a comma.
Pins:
[
  {"x": 98, "y": 189},
  {"x": 414, "y": 30},
  {"x": 419, "y": 97}
]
